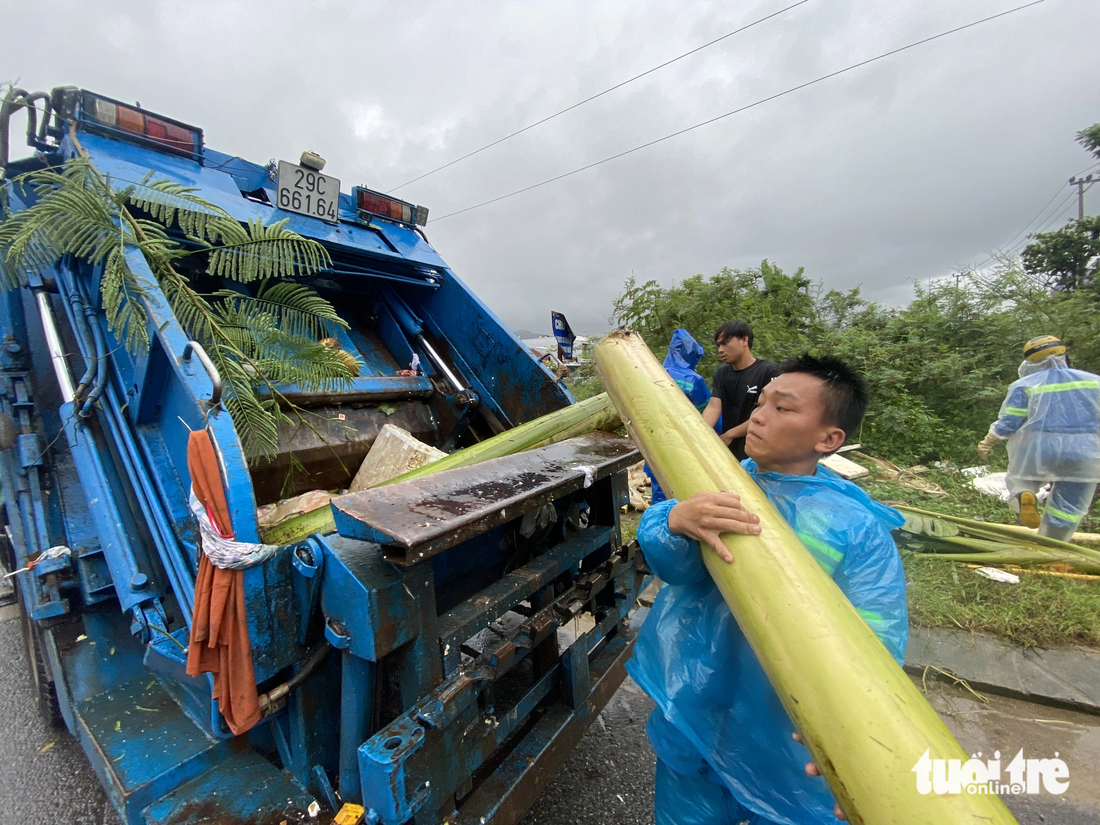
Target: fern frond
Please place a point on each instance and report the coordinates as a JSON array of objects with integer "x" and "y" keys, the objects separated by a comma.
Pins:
[
  {"x": 120, "y": 290},
  {"x": 280, "y": 356},
  {"x": 296, "y": 309},
  {"x": 70, "y": 217},
  {"x": 308, "y": 364},
  {"x": 172, "y": 203},
  {"x": 33, "y": 254},
  {"x": 256, "y": 419},
  {"x": 267, "y": 252}
]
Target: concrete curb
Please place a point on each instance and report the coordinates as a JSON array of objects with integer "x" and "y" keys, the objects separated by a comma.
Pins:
[{"x": 1063, "y": 677}]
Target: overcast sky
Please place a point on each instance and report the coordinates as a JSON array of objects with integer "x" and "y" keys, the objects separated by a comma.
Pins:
[{"x": 902, "y": 170}]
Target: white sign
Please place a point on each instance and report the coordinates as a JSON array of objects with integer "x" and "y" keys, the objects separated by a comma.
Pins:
[{"x": 307, "y": 192}]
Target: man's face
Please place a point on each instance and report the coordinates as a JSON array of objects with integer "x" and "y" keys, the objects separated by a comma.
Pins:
[
  {"x": 788, "y": 422},
  {"x": 730, "y": 350}
]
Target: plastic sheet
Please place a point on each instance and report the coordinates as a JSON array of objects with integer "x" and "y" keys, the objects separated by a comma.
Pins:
[
  {"x": 1051, "y": 418},
  {"x": 712, "y": 694}
]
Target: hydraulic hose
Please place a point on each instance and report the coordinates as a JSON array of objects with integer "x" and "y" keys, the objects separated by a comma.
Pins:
[
  {"x": 100, "y": 353},
  {"x": 13, "y": 100},
  {"x": 87, "y": 342},
  {"x": 172, "y": 555}
]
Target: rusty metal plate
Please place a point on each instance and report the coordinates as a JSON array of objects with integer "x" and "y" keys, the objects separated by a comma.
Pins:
[{"x": 419, "y": 518}]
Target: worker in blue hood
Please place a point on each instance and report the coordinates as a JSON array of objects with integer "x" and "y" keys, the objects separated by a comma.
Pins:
[
  {"x": 724, "y": 745},
  {"x": 1051, "y": 420},
  {"x": 684, "y": 353}
]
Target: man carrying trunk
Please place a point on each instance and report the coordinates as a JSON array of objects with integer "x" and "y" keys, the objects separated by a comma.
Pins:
[{"x": 726, "y": 752}]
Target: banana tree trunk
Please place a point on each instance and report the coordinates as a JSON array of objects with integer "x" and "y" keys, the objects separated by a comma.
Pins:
[
  {"x": 596, "y": 413},
  {"x": 864, "y": 721}
]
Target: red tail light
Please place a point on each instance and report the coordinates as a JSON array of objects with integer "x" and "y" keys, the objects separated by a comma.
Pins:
[
  {"x": 128, "y": 121},
  {"x": 374, "y": 203}
]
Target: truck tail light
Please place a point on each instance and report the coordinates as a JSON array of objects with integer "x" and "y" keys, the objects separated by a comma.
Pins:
[
  {"x": 120, "y": 120},
  {"x": 374, "y": 203}
]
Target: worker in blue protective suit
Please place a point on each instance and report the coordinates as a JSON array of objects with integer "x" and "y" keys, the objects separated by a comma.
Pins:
[
  {"x": 684, "y": 353},
  {"x": 725, "y": 746},
  {"x": 1051, "y": 420}
]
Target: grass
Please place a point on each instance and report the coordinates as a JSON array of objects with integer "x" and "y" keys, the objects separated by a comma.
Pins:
[
  {"x": 628, "y": 524},
  {"x": 1040, "y": 611}
]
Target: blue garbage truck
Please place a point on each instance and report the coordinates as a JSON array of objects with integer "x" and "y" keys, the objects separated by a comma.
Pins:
[{"x": 435, "y": 656}]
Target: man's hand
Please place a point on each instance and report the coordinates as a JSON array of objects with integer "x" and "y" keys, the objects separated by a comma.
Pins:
[
  {"x": 705, "y": 516},
  {"x": 740, "y": 431},
  {"x": 812, "y": 770}
]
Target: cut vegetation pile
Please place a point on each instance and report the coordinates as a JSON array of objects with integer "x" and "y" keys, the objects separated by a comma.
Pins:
[{"x": 1048, "y": 608}]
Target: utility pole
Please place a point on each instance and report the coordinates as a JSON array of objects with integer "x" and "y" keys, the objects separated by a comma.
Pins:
[{"x": 1082, "y": 184}]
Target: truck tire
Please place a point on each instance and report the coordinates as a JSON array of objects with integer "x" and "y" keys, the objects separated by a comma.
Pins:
[{"x": 45, "y": 694}]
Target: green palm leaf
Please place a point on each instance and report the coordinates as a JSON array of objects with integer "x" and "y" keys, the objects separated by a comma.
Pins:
[
  {"x": 172, "y": 203},
  {"x": 259, "y": 252},
  {"x": 295, "y": 308}
]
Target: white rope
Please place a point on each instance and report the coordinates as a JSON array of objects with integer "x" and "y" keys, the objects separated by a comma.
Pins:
[{"x": 223, "y": 552}]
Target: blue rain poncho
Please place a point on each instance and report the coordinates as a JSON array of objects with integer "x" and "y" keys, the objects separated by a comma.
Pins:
[
  {"x": 1051, "y": 418},
  {"x": 684, "y": 353},
  {"x": 714, "y": 701}
]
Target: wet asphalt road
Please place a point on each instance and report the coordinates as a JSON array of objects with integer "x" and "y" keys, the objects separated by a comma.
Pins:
[
  {"x": 44, "y": 776},
  {"x": 608, "y": 780}
]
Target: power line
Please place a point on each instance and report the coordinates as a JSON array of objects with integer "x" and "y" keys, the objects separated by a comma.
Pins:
[
  {"x": 1029, "y": 224},
  {"x": 741, "y": 109},
  {"x": 1059, "y": 213},
  {"x": 600, "y": 94},
  {"x": 1008, "y": 247}
]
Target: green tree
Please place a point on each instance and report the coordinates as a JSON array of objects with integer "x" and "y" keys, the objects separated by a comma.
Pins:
[
  {"x": 1090, "y": 139},
  {"x": 938, "y": 368},
  {"x": 1068, "y": 258}
]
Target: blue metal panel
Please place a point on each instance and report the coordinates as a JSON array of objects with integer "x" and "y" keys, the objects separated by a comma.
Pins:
[
  {"x": 368, "y": 596},
  {"x": 381, "y": 386},
  {"x": 245, "y": 788},
  {"x": 126, "y": 165},
  {"x": 357, "y": 692},
  {"x": 509, "y": 376}
]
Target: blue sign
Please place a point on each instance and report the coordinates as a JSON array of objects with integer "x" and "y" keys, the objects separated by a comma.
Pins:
[{"x": 564, "y": 336}]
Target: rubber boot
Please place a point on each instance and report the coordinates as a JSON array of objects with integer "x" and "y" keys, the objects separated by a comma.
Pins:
[{"x": 1029, "y": 510}]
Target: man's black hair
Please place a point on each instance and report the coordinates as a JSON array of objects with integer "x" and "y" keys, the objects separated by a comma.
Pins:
[
  {"x": 845, "y": 396},
  {"x": 733, "y": 329}
]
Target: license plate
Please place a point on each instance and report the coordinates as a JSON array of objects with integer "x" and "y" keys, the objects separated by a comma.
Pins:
[{"x": 308, "y": 192}]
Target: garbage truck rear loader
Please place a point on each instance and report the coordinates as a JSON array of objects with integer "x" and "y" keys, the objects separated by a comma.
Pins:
[{"x": 436, "y": 657}]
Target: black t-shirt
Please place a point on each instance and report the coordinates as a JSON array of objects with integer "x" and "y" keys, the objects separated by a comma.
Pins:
[{"x": 739, "y": 390}]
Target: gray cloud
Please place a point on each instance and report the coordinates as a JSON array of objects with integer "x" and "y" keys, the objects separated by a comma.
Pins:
[{"x": 899, "y": 171}]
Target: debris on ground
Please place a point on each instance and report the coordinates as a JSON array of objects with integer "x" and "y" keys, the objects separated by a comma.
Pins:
[
  {"x": 996, "y": 575},
  {"x": 843, "y": 467},
  {"x": 910, "y": 477},
  {"x": 996, "y": 484}
]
